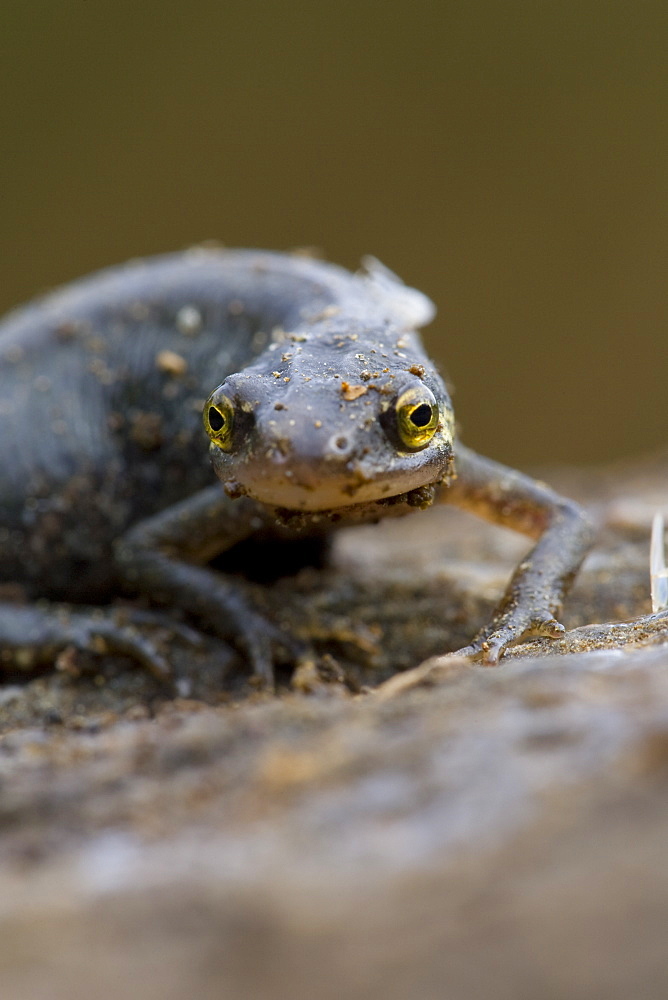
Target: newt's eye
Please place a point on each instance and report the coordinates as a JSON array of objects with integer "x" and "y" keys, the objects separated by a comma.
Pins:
[
  {"x": 219, "y": 420},
  {"x": 417, "y": 416}
]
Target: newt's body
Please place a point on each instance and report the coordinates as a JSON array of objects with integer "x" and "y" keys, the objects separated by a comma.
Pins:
[{"x": 322, "y": 408}]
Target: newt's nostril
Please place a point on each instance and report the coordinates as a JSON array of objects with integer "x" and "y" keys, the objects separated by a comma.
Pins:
[{"x": 339, "y": 445}]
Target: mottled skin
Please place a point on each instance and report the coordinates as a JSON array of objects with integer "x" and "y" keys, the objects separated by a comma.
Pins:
[{"x": 106, "y": 479}]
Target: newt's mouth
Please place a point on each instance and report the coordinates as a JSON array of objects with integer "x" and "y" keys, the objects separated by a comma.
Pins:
[{"x": 322, "y": 486}]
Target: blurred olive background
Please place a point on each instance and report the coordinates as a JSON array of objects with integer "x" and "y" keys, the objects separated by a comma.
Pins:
[{"x": 508, "y": 158}]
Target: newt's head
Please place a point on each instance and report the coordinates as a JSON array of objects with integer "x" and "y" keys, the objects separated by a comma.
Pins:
[{"x": 324, "y": 421}]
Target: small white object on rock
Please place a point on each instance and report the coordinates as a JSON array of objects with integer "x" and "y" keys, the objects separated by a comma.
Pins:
[{"x": 657, "y": 566}]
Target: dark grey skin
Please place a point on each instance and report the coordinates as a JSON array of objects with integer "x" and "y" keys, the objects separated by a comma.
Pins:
[{"x": 323, "y": 409}]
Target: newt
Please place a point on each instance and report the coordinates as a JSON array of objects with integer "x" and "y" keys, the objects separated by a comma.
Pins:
[{"x": 320, "y": 407}]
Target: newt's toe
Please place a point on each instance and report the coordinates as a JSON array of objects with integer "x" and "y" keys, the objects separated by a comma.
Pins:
[{"x": 549, "y": 627}]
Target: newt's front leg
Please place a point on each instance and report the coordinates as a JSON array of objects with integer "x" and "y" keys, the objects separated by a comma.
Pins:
[
  {"x": 164, "y": 556},
  {"x": 538, "y": 585}
]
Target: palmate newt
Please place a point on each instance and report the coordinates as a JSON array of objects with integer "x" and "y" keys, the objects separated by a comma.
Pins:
[{"x": 321, "y": 408}]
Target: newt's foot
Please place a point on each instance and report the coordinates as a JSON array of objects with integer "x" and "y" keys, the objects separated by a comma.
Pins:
[
  {"x": 490, "y": 644},
  {"x": 32, "y": 636},
  {"x": 261, "y": 640}
]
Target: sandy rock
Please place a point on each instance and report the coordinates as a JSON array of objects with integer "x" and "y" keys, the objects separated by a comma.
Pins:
[{"x": 452, "y": 831}]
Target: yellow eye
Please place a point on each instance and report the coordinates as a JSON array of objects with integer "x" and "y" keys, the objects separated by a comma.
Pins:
[
  {"x": 219, "y": 420},
  {"x": 417, "y": 416}
]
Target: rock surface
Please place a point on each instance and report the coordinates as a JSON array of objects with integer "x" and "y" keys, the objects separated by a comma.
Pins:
[{"x": 452, "y": 831}]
